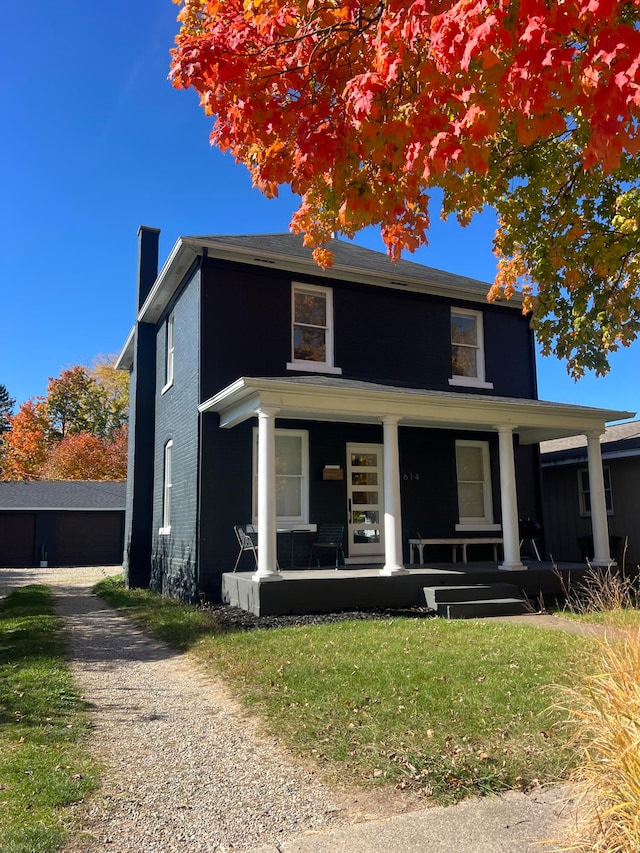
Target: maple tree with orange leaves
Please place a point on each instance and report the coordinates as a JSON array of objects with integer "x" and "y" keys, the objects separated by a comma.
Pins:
[
  {"x": 78, "y": 431},
  {"x": 365, "y": 108}
]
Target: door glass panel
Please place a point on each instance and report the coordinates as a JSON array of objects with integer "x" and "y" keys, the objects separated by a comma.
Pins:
[
  {"x": 360, "y": 498},
  {"x": 366, "y": 460},
  {"x": 364, "y": 478},
  {"x": 369, "y": 517},
  {"x": 366, "y": 537}
]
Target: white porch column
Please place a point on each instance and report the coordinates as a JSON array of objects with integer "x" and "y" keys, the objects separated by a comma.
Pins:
[
  {"x": 392, "y": 510},
  {"x": 509, "y": 501},
  {"x": 267, "y": 542},
  {"x": 599, "y": 524}
]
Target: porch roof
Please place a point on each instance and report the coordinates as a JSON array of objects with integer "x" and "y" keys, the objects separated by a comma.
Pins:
[{"x": 327, "y": 398}]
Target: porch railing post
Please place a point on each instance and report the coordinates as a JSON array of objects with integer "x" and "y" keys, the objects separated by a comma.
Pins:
[{"x": 392, "y": 504}]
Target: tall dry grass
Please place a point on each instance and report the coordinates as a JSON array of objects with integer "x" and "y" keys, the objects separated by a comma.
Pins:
[{"x": 604, "y": 711}]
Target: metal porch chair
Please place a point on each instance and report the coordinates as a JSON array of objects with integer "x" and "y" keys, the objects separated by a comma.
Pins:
[
  {"x": 247, "y": 540},
  {"x": 329, "y": 537}
]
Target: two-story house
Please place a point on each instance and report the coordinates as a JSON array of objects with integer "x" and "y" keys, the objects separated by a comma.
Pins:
[{"x": 391, "y": 399}]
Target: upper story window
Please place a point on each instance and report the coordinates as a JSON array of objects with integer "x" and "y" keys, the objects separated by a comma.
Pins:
[
  {"x": 292, "y": 476},
  {"x": 312, "y": 329},
  {"x": 467, "y": 349},
  {"x": 584, "y": 490},
  {"x": 168, "y": 353},
  {"x": 167, "y": 483},
  {"x": 475, "y": 502}
]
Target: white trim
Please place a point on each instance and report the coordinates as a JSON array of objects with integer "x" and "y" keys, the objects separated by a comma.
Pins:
[
  {"x": 468, "y": 526},
  {"x": 326, "y": 366},
  {"x": 606, "y": 476},
  {"x": 169, "y": 353},
  {"x": 483, "y": 522},
  {"x": 479, "y": 380},
  {"x": 298, "y": 522},
  {"x": 469, "y": 382},
  {"x": 167, "y": 488},
  {"x": 313, "y": 367}
]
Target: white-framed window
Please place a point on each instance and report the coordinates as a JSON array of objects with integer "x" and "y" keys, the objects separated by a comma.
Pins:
[
  {"x": 473, "y": 471},
  {"x": 292, "y": 476},
  {"x": 167, "y": 482},
  {"x": 168, "y": 353},
  {"x": 584, "y": 491},
  {"x": 467, "y": 349},
  {"x": 312, "y": 332}
]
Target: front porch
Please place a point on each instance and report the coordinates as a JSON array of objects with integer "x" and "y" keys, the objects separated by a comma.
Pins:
[{"x": 329, "y": 590}]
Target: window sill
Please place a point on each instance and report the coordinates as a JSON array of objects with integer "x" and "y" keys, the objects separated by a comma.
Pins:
[
  {"x": 166, "y": 387},
  {"x": 477, "y": 525},
  {"x": 164, "y": 531},
  {"x": 470, "y": 382},
  {"x": 313, "y": 367}
]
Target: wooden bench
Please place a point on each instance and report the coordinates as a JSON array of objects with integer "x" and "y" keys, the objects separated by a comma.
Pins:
[{"x": 455, "y": 542}]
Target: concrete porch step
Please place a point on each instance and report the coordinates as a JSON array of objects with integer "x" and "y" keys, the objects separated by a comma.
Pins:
[{"x": 476, "y": 601}]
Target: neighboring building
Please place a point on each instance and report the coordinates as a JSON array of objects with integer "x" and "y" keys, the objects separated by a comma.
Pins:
[
  {"x": 390, "y": 398},
  {"x": 70, "y": 523},
  {"x": 567, "y": 494}
]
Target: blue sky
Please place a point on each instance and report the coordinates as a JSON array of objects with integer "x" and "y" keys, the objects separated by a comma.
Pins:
[{"x": 96, "y": 142}]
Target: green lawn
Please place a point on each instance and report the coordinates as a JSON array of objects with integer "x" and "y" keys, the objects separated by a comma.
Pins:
[
  {"x": 446, "y": 708},
  {"x": 42, "y": 727}
]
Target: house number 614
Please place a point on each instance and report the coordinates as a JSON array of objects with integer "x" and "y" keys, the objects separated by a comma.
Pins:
[{"x": 411, "y": 476}]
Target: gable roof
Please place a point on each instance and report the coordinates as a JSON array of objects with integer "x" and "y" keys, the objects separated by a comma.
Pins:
[
  {"x": 287, "y": 252},
  {"x": 617, "y": 440},
  {"x": 62, "y": 495}
]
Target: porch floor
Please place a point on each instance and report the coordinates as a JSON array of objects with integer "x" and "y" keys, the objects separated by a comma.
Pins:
[{"x": 364, "y": 588}]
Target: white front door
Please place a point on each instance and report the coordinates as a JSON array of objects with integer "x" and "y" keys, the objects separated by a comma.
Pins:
[{"x": 365, "y": 498}]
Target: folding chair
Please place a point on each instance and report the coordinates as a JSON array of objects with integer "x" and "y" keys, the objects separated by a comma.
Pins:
[
  {"x": 247, "y": 540},
  {"x": 329, "y": 537}
]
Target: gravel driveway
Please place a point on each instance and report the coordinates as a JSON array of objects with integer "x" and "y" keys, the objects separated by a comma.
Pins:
[{"x": 186, "y": 769}]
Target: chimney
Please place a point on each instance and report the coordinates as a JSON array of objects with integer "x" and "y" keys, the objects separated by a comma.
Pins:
[{"x": 148, "y": 239}]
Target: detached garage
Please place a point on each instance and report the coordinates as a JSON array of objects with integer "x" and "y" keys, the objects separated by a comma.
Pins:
[{"x": 71, "y": 523}]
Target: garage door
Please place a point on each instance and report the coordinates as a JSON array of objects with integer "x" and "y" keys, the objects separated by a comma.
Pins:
[
  {"x": 17, "y": 534},
  {"x": 89, "y": 538}
]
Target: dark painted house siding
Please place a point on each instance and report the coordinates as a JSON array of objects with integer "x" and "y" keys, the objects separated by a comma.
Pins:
[
  {"x": 429, "y": 501},
  {"x": 389, "y": 336},
  {"x": 174, "y": 556},
  {"x": 569, "y": 534}
]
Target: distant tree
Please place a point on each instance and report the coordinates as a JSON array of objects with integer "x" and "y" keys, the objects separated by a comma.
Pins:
[
  {"x": 26, "y": 444},
  {"x": 113, "y": 394},
  {"x": 77, "y": 431},
  {"x": 72, "y": 402},
  {"x": 83, "y": 456},
  {"x": 6, "y": 409}
]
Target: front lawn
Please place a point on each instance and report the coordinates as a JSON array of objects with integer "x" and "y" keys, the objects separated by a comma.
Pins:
[
  {"x": 42, "y": 727},
  {"x": 449, "y": 709}
]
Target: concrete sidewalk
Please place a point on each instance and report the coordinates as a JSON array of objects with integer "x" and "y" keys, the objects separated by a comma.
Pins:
[{"x": 512, "y": 823}]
